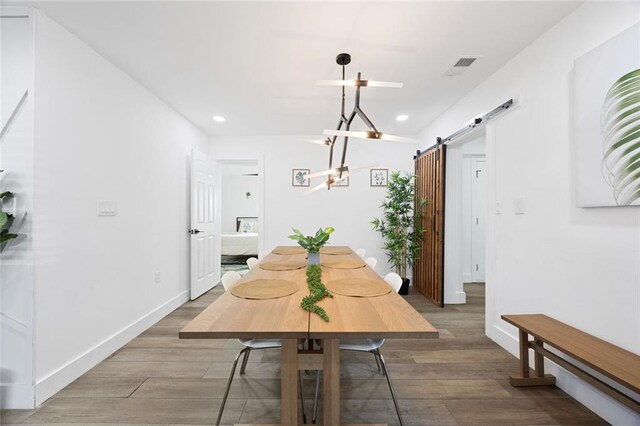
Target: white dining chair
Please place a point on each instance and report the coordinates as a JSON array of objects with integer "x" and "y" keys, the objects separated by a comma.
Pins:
[
  {"x": 263, "y": 253},
  {"x": 394, "y": 280},
  {"x": 372, "y": 262},
  {"x": 229, "y": 279},
  {"x": 373, "y": 346},
  {"x": 360, "y": 252},
  {"x": 252, "y": 262}
]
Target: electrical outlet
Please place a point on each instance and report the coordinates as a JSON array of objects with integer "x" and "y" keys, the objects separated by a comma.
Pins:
[
  {"x": 518, "y": 205},
  {"x": 107, "y": 208},
  {"x": 157, "y": 277}
]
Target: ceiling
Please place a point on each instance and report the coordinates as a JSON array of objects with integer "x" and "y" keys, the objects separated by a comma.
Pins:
[{"x": 256, "y": 63}]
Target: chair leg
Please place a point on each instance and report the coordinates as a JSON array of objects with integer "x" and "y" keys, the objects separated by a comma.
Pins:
[
  {"x": 243, "y": 367},
  {"x": 377, "y": 362},
  {"x": 393, "y": 393},
  {"x": 226, "y": 392},
  {"x": 304, "y": 410},
  {"x": 315, "y": 403}
]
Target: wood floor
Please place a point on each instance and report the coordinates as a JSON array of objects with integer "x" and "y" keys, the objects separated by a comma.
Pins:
[{"x": 462, "y": 378}]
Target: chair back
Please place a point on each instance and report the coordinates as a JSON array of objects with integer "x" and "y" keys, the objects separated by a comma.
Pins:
[
  {"x": 229, "y": 279},
  {"x": 252, "y": 262},
  {"x": 394, "y": 280},
  {"x": 360, "y": 252},
  {"x": 372, "y": 262}
]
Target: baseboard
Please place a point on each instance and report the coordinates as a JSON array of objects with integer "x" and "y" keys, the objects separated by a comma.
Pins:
[
  {"x": 17, "y": 396},
  {"x": 56, "y": 381},
  {"x": 601, "y": 404}
]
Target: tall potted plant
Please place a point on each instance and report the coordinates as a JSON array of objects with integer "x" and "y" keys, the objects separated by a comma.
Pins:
[{"x": 401, "y": 224}]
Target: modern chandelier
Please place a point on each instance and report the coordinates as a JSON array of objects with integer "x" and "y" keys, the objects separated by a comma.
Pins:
[{"x": 343, "y": 129}]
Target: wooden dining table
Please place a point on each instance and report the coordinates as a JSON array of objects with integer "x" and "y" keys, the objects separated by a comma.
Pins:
[{"x": 385, "y": 316}]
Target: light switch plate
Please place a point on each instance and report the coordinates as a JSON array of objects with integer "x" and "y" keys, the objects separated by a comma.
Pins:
[
  {"x": 107, "y": 208},
  {"x": 498, "y": 208},
  {"x": 518, "y": 205}
]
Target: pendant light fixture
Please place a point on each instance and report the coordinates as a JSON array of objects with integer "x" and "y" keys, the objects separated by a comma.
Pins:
[{"x": 343, "y": 129}]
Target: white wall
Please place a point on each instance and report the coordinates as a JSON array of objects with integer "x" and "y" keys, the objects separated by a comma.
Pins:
[
  {"x": 581, "y": 266},
  {"x": 234, "y": 189},
  {"x": 349, "y": 210},
  {"x": 102, "y": 136},
  {"x": 16, "y": 261}
]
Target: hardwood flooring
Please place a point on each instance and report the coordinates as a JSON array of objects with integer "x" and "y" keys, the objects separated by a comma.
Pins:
[{"x": 461, "y": 378}]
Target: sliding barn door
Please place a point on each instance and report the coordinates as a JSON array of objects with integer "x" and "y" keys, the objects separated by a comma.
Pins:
[{"x": 428, "y": 271}]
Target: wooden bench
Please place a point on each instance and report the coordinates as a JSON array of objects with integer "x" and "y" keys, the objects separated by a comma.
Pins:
[{"x": 615, "y": 363}]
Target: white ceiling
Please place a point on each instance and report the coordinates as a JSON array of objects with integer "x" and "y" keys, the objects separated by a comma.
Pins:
[{"x": 256, "y": 63}]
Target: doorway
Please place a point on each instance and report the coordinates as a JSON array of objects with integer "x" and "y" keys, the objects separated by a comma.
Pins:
[
  {"x": 240, "y": 217},
  {"x": 465, "y": 215},
  {"x": 473, "y": 210}
]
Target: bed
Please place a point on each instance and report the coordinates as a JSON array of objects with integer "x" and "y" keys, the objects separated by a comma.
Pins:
[{"x": 243, "y": 242}]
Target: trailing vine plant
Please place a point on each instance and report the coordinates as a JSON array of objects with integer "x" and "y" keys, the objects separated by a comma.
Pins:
[
  {"x": 318, "y": 292},
  {"x": 6, "y": 219}
]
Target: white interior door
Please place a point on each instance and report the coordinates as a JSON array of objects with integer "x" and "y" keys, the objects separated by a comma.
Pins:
[
  {"x": 478, "y": 220},
  {"x": 205, "y": 270}
]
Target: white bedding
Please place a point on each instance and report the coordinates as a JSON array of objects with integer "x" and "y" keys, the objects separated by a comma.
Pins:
[{"x": 240, "y": 244}]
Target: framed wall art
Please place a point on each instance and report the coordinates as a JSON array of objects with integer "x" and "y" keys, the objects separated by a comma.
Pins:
[
  {"x": 299, "y": 177},
  {"x": 342, "y": 183},
  {"x": 606, "y": 119},
  {"x": 379, "y": 177}
]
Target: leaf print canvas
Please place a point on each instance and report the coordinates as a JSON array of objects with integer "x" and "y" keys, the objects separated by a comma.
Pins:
[{"x": 606, "y": 123}]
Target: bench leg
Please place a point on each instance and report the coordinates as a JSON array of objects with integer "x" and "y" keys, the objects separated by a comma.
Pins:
[{"x": 524, "y": 378}]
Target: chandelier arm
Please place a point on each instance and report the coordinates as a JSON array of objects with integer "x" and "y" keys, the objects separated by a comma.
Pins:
[
  {"x": 346, "y": 139},
  {"x": 366, "y": 119},
  {"x": 333, "y": 141}
]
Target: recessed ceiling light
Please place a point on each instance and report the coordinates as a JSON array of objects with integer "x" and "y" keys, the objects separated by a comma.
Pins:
[
  {"x": 218, "y": 119},
  {"x": 402, "y": 117}
]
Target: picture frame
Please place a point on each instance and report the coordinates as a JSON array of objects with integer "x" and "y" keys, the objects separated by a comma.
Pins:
[
  {"x": 342, "y": 184},
  {"x": 378, "y": 177},
  {"x": 299, "y": 179}
]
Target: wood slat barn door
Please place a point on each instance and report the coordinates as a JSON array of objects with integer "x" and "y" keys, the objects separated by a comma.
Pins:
[{"x": 428, "y": 271}]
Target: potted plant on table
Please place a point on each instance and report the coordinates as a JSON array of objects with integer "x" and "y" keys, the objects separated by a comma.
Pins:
[
  {"x": 401, "y": 224},
  {"x": 312, "y": 243}
]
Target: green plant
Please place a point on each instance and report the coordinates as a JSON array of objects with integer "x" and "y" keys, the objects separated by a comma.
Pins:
[
  {"x": 6, "y": 219},
  {"x": 318, "y": 292},
  {"x": 312, "y": 243},
  {"x": 401, "y": 223}
]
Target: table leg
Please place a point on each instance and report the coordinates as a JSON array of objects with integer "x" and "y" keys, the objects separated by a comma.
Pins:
[
  {"x": 289, "y": 383},
  {"x": 331, "y": 391}
]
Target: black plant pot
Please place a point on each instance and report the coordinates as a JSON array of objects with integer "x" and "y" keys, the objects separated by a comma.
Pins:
[{"x": 404, "y": 288}]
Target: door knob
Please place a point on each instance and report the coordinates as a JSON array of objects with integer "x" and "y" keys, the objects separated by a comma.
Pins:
[{"x": 194, "y": 231}]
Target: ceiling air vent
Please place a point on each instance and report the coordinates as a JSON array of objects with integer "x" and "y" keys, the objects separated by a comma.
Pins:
[{"x": 461, "y": 65}]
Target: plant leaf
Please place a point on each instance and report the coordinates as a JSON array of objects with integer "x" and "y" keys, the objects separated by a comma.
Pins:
[{"x": 621, "y": 138}]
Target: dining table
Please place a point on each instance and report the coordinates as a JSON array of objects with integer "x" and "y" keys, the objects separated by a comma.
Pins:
[{"x": 381, "y": 316}]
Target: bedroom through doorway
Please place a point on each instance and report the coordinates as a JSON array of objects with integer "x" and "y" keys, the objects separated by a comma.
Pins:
[{"x": 240, "y": 210}]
